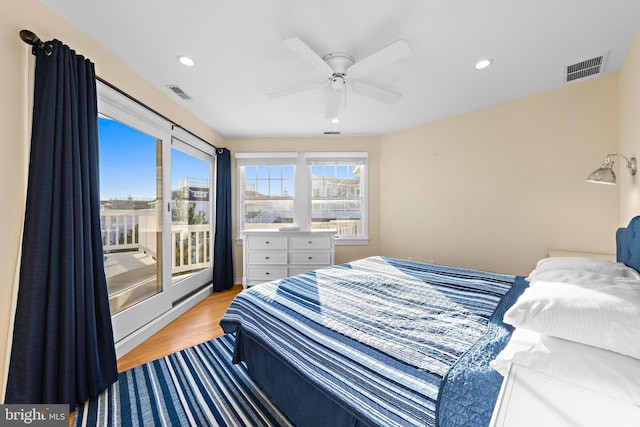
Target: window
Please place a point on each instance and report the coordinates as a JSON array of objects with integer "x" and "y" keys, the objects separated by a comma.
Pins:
[
  {"x": 310, "y": 190},
  {"x": 337, "y": 192},
  {"x": 267, "y": 190}
]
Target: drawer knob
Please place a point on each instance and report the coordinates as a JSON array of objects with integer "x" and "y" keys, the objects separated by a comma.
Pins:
[
  {"x": 267, "y": 273},
  {"x": 310, "y": 242},
  {"x": 266, "y": 257},
  {"x": 267, "y": 242},
  {"x": 310, "y": 257}
]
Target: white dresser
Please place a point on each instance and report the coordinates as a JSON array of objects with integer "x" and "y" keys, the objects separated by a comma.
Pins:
[{"x": 272, "y": 254}]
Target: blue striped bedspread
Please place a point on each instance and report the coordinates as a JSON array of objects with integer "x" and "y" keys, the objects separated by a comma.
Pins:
[{"x": 379, "y": 335}]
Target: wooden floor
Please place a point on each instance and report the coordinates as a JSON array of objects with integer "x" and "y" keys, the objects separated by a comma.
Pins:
[{"x": 197, "y": 325}]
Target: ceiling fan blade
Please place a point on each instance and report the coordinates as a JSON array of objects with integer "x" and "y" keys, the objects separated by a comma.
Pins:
[
  {"x": 333, "y": 104},
  {"x": 393, "y": 52},
  {"x": 375, "y": 92},
  {"x": 301, "y": 49},
  {"x": 296, "y": 89}
]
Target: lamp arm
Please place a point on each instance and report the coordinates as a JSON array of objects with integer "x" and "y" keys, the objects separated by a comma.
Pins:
[{"x": 632, "y": 163}]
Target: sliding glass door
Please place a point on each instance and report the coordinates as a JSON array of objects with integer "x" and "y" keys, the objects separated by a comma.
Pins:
[
  {"x": 156, "y": 213},
  {"x": 132, "y": 170}
]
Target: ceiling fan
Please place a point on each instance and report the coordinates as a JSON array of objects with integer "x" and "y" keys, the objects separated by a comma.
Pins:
[{"x": 342, "y": 71}]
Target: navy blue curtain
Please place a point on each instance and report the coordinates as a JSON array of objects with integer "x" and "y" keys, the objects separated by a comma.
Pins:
[
  {"x": 223, "y": 246},
  {"x": 63, "y": 350}
]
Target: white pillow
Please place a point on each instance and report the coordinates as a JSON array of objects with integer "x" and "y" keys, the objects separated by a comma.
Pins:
[
  {"x": 578, "y": 277},
  {"x": 607, "y": 317},
  {"x": 594, "y": 265},
  {"x": 601, "y": 371}
]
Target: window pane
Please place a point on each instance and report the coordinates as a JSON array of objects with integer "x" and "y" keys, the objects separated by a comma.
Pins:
[
  {"x": 250, "y": 172},
  {"x": 131, "y": 216},
  {"x": 267, "y": 213},
  {"x": 250, "y": 187},
  {"x": 268, "y": 200},
  {"x": 335, "y": 199},
  {"x": 275, "y": 172},
  {"x": 287, "y": 188},
  {"x": 275, "y": 188},
  {"x": 263, "y": 172},
  {"x": 190, "y": 215},
  {"x": 272, "y": 181},
  {"x": 263, "y": 188},
  {"x": 287, "y": 172}
]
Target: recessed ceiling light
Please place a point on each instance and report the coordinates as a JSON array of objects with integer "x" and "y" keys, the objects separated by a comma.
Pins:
[
  {"x": 185, "y": 60},
  {"x": 335, "y": 120},
  {"x": 483, "y": 63}
]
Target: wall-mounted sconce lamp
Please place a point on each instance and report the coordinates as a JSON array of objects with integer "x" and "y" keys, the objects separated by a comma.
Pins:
[{"x": 605, "y": 175}]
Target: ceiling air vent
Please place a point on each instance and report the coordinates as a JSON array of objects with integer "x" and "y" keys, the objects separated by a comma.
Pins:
[
  {"x": 179, "y": 92},
  {"x": 586, "y": 68},
  {"x": 332, "y": 133}
]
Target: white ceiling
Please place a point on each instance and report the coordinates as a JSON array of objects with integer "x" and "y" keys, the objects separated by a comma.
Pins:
[{"x": 237, "y": 46}]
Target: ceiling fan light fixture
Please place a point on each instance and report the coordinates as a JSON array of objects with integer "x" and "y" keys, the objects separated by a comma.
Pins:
[
  {"x": 483, "y": 63},
  {"x": 338, "y": 83},
  {"x": 342, "y": 73},
  {"x": 186, "y": 61}
]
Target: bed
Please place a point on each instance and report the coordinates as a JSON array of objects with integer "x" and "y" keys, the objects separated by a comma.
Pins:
[{"x": 390, "y": 342}]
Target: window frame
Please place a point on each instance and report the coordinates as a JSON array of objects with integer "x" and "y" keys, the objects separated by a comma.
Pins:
[
  {"x": 303, "y": 185},
  {"x": 347, "y": 158}
]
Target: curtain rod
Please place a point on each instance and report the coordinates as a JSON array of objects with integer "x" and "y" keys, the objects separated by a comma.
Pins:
[{"x": 30, "y": 38}]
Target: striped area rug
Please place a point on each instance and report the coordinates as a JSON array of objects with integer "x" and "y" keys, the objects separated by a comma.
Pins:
[{"x": 197, "y": 386}]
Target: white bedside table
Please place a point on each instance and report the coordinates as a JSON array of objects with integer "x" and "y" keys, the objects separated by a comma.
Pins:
[{"x": 532, "y": 399}]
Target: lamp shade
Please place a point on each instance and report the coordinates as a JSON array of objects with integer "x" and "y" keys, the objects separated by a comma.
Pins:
[{"x": 604, "y": 174}]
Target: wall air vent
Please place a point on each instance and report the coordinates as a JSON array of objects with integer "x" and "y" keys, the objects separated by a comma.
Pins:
[
  {"x": 179, "y": 92},
  {"x": 330, "y": 132},
  {"x": 586, "y": 68}
]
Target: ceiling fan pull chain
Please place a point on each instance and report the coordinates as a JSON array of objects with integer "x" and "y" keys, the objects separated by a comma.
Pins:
[{"x": 344, "y": 91}]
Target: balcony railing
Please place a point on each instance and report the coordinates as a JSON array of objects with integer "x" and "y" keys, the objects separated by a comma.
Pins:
[
  {"x": 136, "y": 229},
  {"x": 189, "y": 247}
]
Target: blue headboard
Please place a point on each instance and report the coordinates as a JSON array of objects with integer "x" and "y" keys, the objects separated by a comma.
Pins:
[{"x": 628, "y": 244}]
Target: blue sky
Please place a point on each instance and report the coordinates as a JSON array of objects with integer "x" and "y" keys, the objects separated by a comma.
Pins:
[{"x": 128, "y": 164}]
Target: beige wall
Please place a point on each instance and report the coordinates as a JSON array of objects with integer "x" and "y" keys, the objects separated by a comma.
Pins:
[
  {"x": 17, "y": 66},
  {"x": 629, "y": 93},
  {"x": 496, "y": 189},
  {"x": 368, "y": 144}
]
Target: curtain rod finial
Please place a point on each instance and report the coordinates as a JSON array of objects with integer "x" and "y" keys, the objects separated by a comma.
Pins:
[{"x": 29, "y": 37}]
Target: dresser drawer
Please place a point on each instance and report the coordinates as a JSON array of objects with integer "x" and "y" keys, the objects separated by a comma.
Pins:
[
  {"x": 311, "y": 257},
  {"x": 266, "y": 242},
  {"x": 310, "y": 242},
  {"x": 267, "y": 257},
  {"x": 266, "y": 273}
]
